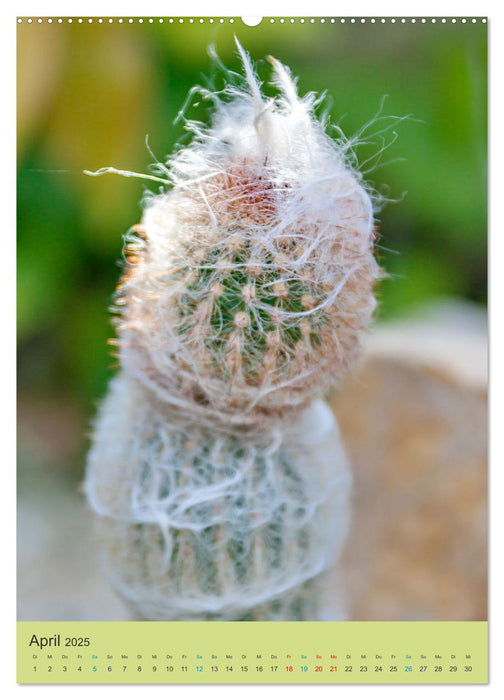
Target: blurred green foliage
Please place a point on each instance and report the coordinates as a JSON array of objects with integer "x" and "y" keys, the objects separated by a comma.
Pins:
[{"x": 89, "y": 94}]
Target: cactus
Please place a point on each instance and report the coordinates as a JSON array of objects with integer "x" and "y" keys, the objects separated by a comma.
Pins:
[
  {"x": 199, "y": 523},
  {"x": 217, "y": 472}
]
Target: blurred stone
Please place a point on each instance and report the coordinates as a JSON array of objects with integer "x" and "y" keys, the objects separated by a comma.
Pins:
[
  {"x": 59, "y": 572},
  {"x": 414, "y": 421}
]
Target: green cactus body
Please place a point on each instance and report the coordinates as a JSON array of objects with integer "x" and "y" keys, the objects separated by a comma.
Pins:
[{"x": 252, "y": 323}]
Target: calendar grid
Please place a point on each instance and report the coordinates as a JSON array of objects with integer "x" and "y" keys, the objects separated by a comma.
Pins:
[{"x": 252, "y": 652}]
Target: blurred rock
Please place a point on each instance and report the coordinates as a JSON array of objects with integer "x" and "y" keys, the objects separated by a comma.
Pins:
[
  {"x": 59, "y": 571},
  {"x": 414, "y": 420}
]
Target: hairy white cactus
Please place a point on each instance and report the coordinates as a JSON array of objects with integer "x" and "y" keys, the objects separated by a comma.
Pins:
[
  {"x": 201, "y": 524},
  {"x": 216, "y": 469}
]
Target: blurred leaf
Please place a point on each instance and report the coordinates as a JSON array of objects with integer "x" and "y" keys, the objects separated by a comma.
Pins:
[{"x": 40, "y": 62}]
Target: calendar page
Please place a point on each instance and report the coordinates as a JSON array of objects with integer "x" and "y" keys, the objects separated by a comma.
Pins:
[{"x": 252, "y": 346}]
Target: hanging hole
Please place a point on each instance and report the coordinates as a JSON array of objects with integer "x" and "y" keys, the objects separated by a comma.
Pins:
[{"x": 251, "y": 21}]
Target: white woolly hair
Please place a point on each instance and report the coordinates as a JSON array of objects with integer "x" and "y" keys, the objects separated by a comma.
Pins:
[
  {"x": 249, "y": 282},
  {"x": 198, "y": 524}
]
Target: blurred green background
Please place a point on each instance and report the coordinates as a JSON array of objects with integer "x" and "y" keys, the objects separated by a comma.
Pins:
[{"x": 88, "y": 94}]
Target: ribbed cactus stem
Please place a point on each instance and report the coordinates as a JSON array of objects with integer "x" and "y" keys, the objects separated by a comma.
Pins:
[
  {"x": 213, "y": 525},
  {"x": 215, "y": 467}
]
